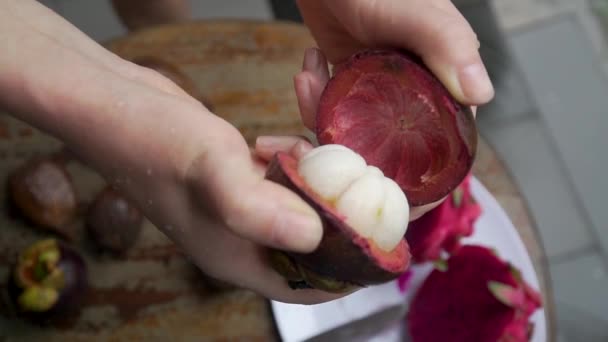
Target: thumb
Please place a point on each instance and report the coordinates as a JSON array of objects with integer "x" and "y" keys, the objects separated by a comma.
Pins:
[
  {"x": 249, "y": 205},
  {"x": 433, "y": 29}
]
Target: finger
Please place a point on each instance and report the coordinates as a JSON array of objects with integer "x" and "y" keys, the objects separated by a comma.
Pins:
[
  {"x": 315, "y": 63},
  {"x": 300, "y": 149},
  {"x": 254, "y": 208},
  {"x": 251, "y": 269},
  {"x": 271, "y": 215},
  {"x": 435, "y": 30},
  {"x": 267, "y": 146},
  {"x": 309, "y": 85}
]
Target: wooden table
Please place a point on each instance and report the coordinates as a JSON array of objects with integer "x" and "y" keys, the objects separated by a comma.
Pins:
[{"x": 245, "y": 69}]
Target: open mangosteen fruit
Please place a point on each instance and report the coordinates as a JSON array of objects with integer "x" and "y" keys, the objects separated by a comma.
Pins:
[
  {"x": 49, "y": 278},
  {"x": 388, "y": 107},
  {"x": 392, "y": 137},
  {"x": 364, "y": 215},
  {"x": 42, "y": 191}
]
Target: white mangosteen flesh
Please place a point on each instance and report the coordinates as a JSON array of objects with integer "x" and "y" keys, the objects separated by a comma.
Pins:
[{"x": 374, "y": 205}]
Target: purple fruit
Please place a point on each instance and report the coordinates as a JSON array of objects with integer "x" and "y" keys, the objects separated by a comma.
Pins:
[
  {"x": 114, "y": 221},
  {"x": 43, "y": 192},
  {"x": 48, "y": 278}
]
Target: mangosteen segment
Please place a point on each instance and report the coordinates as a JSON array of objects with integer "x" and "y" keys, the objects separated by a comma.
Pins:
[
  {"x": 386, "y": 106},
  {"x": 371, "y": 204}
]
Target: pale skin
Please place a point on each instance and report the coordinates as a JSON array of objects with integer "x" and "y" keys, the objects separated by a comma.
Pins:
[{"x": 199, "y": 182}]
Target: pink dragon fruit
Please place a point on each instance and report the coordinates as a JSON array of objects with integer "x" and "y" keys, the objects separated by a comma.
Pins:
[
  {"x": 479, "y": 297},
  {"x": 442, "y": 228}
]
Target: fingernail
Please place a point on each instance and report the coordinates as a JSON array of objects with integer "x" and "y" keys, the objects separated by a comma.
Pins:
[
  {"x": 300, "y": 149},
  {"x": 312, "y": 59},
  {"x": 475, "y": 83},
  {"x": 267, "y": 141},
  {"x": 302, "y": 85}
]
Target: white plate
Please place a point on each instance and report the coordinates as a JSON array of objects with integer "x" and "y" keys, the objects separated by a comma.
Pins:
[{"x": 493, "y": 228}]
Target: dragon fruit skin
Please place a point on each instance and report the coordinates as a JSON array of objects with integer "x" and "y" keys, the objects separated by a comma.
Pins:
[
  {"x": 479, "y": 297},
  {"x": 442, "y": 228}
]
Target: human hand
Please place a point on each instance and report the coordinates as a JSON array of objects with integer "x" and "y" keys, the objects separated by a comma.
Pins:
[
  {"x": 432, "y": 29},
  {"x": 191, "y": 173}
]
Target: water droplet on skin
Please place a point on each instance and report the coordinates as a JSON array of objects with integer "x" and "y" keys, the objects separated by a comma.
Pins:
[{"x": 149, "y": 172}]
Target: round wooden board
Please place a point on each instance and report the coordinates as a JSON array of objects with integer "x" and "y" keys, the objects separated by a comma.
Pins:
[{"x": 245, "y": 68}]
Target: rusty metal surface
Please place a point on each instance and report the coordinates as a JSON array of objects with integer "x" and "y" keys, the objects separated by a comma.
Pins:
[{"x": 153, "y": 293}]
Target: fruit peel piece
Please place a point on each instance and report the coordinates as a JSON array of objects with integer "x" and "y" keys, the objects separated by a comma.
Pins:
[
  {"x": 388, "y": 107},
  {"x": 478, "y": 298},
  {"x": 343, "y": 259}
]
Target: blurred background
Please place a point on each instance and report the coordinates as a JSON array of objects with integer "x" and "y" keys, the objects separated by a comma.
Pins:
[{"x": 549, "y": 63}]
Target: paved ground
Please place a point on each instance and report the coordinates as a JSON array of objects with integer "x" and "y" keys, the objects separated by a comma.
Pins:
[{"x": 548, "y": 121}]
